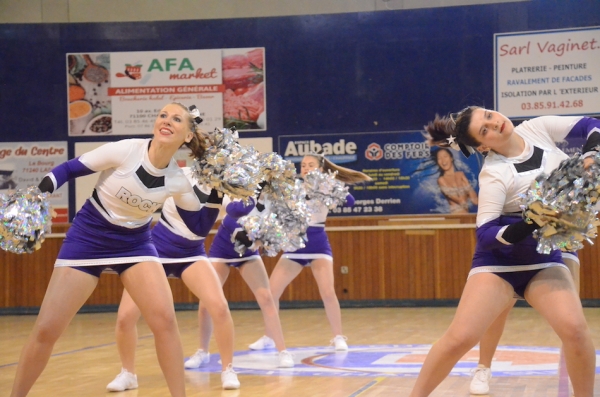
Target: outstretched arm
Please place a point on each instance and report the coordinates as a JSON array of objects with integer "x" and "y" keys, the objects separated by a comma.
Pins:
[
  {"x": 104, "y": 157},
  {"x": 62, "y": 173}
]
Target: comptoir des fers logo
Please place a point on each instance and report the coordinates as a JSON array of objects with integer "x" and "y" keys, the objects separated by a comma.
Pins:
[
  {"x": 374, "y": 152},
  {"x": 397, "y": 151}
]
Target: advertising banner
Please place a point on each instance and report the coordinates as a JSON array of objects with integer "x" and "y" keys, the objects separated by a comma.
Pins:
[
  {"x": 408, "y": 176},
  {"x": 24, "y": 164},
  {"x": 121, "y": 93},
  {"x": 554, "y": 72}
]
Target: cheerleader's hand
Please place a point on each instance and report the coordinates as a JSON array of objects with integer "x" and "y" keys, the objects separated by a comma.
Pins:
[
  {"x": 176, "y": 183},
  {"x": 587, "y": 162},
  {"x": 540, "y": 214},
  {"x": 256, "y": 245}
]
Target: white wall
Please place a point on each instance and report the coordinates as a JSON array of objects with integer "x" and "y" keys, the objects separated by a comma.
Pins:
[{"x": 53, "y": 11}]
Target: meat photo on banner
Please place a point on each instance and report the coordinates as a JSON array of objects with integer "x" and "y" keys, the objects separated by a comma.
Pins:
[
  {"x": 244, "y": 105},
  {"x": 121, "y": 93}
]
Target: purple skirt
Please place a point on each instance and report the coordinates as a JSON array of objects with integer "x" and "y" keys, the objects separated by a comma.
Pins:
[
  {"x": 92, "y": 240},
  {"x": 171, "y": 245},
  {"x": 222, "y": 248},
  {"x": 318, "y": 243}
]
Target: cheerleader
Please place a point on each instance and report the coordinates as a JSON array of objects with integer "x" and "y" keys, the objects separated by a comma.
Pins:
[
  {"x": 317, "y": 254},
  {"x": 506, "y": 261},
  {"x": 112, "y": 231},
  {"x": 480, "y": 383},
  {"x": 252, "y": 269},
  {"x": 183, "y": 256}
]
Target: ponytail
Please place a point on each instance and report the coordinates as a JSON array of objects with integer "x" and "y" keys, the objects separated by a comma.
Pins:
[
  {"x": 198, "y": 144},
  {"x": 453, "y": 131},
  {"x": 346, "y": 175}
]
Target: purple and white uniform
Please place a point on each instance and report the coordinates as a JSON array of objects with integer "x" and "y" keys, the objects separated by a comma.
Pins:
[
  {"x": 317, "y": 244},
  {"x": 222, "y": 247},
  {"x": 177, "y": 246},
  {"x": 502, "y": 181},
  {"x": 112, "y": 229}
]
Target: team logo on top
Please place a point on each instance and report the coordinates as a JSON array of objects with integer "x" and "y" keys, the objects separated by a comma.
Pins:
[
  {"x": 389, "y": 361},
  {"x": 136, "y": 201},
  {"x": 374, "y": 152}
]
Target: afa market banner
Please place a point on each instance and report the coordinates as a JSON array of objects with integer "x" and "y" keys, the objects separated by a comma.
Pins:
[
  {"x": 409, "y": 177},
  {"x": 122, "y": 93},
  {"x": 554, "y": 72},
  {"x": 24, "y": 164}
]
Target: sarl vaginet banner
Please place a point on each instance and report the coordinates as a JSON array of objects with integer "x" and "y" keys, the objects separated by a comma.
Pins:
[{"x": 408, "y": 176}]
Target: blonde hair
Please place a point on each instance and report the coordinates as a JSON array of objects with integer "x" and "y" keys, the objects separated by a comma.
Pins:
[{"x": 346, "y": 175}]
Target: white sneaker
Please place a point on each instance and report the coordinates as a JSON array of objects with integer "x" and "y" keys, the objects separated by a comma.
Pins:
[
  {"x": 480, "y": 384},
  {"x": 229, "y": 379},
  {"x": 199, "y": 359},
  {"x": 340, "y": 343},
  {"x": 263, "y": 343},
  {"x": 124, "y": 381},
  {"x": 286, "y": 359}
]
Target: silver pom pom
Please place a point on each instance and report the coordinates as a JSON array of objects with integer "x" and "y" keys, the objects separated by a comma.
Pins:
[
  {"x": 227, "y": 166},
  {"x": 274, "y": 167},
  {"x": 324, "y": 188},
  {"x": 25, "y": 218},
  {"x": 282, "y": 225},
  {"x": 562, "y": 203}
]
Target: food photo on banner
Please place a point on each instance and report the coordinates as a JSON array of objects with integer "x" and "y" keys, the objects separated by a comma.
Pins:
[
  {"x": 87, "y": 92},
  {"x": 228, "y": 85},
  {"x": 408, "y": 176}
]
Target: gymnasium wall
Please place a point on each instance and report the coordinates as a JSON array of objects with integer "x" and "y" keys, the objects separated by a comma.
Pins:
[{"x": 366, "y": 71}]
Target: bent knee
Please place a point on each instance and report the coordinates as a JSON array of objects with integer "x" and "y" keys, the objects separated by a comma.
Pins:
[
  {"x": 328, "y": 295},
  {"x": 126, "y": 322},
  {"x": 46, "y": 334},
  {"x": 264, "y": 298},
  {"x": 460, "y": 341},
  {"x": 575, "y": 332},
  {"x": 220, "y": 312},
  {"x": 162, "y": 320}
]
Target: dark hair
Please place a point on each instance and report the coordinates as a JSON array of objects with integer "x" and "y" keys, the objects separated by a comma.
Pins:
[
  {"x": 198, "y": 144},
  {"x": 346, "y": 175},
  {"x": 436, "y": 153},
  {"x": 429, "y": 166},
  {"x": 455, "y": 125}
]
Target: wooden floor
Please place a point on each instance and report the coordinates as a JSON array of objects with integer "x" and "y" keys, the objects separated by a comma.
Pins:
[{"x": 85, "y": 358}]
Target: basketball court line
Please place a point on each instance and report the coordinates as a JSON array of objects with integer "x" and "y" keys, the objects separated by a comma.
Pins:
[
  {"x": 366, "y": 387},
  {"x": 563, "y": 376},
  {"x": 78, "y": 350}
]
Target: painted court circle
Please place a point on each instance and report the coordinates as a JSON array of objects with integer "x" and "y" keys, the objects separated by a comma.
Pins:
[{"x": 389, "y": 360}]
